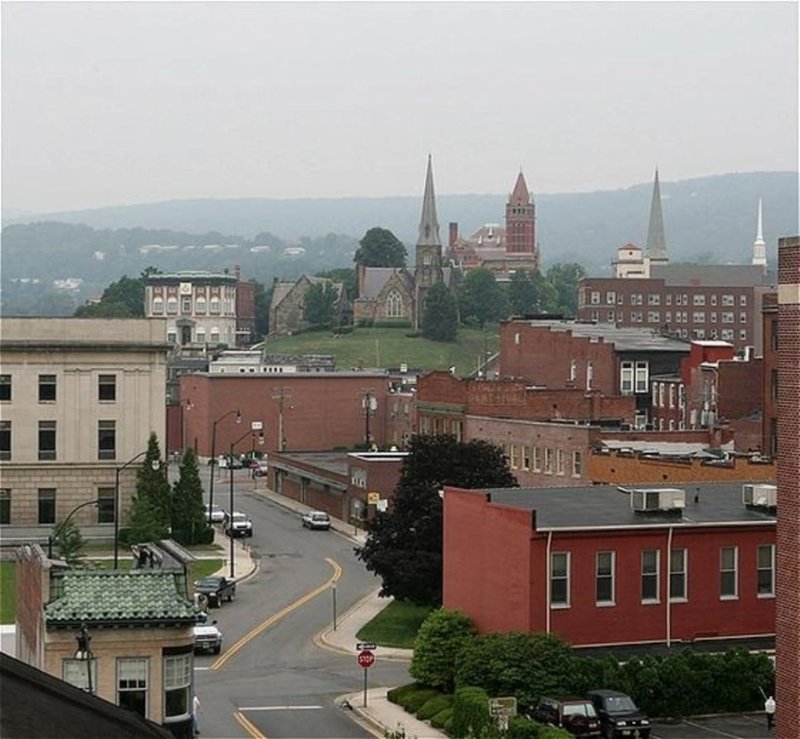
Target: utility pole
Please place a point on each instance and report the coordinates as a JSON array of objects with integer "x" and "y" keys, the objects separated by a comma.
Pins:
[
  {"x": 370, "y": 404},
  {"x": 282, "y": 395}
]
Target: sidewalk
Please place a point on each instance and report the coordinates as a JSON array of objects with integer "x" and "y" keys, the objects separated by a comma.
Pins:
[
  {"x": 379, "y": 713},
  {"x": 243, "y": 564}
]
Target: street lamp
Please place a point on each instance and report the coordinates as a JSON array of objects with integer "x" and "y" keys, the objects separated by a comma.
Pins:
[
  {"x": 117, "y": 471},
  {"x": 214, "y": 452},
  {"x": 255, "y": 426},
  {"x": 84, "y": 652},
  {"x": 52, "y": 537}
]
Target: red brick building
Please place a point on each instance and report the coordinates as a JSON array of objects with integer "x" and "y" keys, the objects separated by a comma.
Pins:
[
  {"x": 769, "y": 380},
  {"x": 787, "y": 643},
  {"x": 602, "y": 567}
]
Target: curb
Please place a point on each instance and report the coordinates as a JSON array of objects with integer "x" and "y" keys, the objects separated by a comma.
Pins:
[{"x": 350, "y": 703}]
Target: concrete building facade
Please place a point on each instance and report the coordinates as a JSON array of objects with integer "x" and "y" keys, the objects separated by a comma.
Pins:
[{"x": 79, "y": 398}]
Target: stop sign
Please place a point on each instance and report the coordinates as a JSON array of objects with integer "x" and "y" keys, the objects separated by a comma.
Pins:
[{"x": 365, "y": 658}]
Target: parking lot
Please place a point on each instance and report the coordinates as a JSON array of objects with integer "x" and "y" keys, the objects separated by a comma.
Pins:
[{"x": 748, "y": 726}]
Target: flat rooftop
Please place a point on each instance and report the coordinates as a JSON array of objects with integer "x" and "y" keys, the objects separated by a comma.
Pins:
[{"x": 608, "y": 506}]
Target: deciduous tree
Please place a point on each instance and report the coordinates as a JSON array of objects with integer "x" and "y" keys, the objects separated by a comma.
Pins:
[
  {"x": 380, "y": 248},
  {"x": 440, "y": 315},
  {"x": 480, "y": 299},
  {"x": 319, "y": 304}
]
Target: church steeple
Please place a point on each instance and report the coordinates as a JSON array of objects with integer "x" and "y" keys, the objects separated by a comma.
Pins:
[
  {"x": 656, "y": 241},
  {"x": 428, "y": 224},
  {"x": 521, "y": 220},
  {"x": 759, "y": 245}
]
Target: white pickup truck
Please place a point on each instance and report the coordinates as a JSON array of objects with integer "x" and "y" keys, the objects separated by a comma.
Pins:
[{"x": 207, "y": 638}]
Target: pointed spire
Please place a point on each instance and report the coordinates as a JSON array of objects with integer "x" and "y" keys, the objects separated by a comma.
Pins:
[
  {"x": 656, "y": 241},
  {"x": 759, "y": 245},
  {"x": 428, "y": 224},
  {"x": 520, "y": 195}
]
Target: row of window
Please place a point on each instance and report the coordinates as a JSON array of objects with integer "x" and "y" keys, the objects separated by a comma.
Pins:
[
  {"x": 664, "y": 394},
  {"x": 188, "y": 307},
  {"x": 133, "y": 682},
  {"x": 543, "y": 459},
  {"x": 654, "y": 316},
  {"x": 48, "y": 387},
  {"x": 439, "y": 426},
  {"x": 106, "y": 440},
  {"x": 573, "y": 372},
  {"x": 633, "y": 377},
  {"x": 614, "y": 298},
  {"x": 650, "y": 575},
  {"x": 46, "y": 502},
  {"x": 725, "y": 334}
]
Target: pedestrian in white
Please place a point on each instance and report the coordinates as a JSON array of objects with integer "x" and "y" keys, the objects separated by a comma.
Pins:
[
  {"x": 195, "y": 718},
  {"x": 769, "y": 709}
]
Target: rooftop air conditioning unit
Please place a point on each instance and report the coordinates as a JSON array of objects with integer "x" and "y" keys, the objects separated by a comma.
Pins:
[
  {"x": 653, "y": 500},
  {"x": 761, "y": 495}
]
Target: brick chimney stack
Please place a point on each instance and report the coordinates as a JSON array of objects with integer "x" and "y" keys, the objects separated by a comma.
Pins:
[{"x": 453, "y": 233}]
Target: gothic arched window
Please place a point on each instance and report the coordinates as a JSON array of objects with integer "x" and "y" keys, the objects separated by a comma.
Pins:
[{"x": 394, "y": 305}]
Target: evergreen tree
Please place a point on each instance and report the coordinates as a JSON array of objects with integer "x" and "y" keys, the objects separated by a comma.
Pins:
[
  {"x": 189, "y": 524},
  {"x": 319, "y": 307},
  {"x": 404, "y": 545},
  {"x": 70, "y": 542},
  {"x": 440, "y": 315},
  {"x": 151, "y": 513}
]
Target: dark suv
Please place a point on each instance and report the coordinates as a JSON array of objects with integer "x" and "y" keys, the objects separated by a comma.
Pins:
[
  {"x": 619, "y": 716},
  {"x": 575, "y": 715}
]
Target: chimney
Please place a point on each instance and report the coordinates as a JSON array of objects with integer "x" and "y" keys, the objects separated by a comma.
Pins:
[
  {"x": 453, "y": 232},
  {"x": 237, "y": 271}
]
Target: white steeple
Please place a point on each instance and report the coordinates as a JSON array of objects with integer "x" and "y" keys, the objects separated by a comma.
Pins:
[{"x": 759, "y": 245}]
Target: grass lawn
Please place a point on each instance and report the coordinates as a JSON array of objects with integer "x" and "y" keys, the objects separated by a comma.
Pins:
[
  {"x": 396, "y": 625},
  {"x": 205, "y": 567},
  {"x": 7, "y": 592},
  {"x": 390, "y": 347}
]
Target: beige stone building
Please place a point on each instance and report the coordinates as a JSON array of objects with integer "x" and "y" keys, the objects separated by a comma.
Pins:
[{"x": 79, "y": 398}]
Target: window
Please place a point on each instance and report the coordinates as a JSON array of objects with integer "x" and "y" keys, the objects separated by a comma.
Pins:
[
  {"x": 47, "y": 505},
  {"x": 105, "y": 505},
  {"x": 526, "y": 457},
  {"x": 660, "y": 387},
  {"x": 172, "y": 337},
  {"x": 727, "y": 300},
  {"x": 654, "y": 316},
  {"x": 47, "y": 388},
  {"x": 132, "y": 684},
  {"x": 728, "y": 565},
  {"x": 107, "y": 388},
  {"x": 743, "y": 318},
  {"x": 560, "y": 464},
  {"x": 573, "y": 369},
  {"x": 713, "y": 300},
  {"x": 5, "y": 505},
  {"x": 158, "y": 305},
  {"x": 47, "y": 440},
  {"x": 610, "y": 316},
  {"x": 186, "y": 305},
  {"x": 5, "y": 387},
  {"x": 76, "y": 672},
  {"x": 713, "y": 317},
  {"x": 200, "y": 305},
  {"x": 654, "y": 299},
  {"x": 727, "y": 334},
  {"x": 595, "y": 297},
  {"x": 548, "y": 461},
  {"x": 773, "y": 384},
  {"x": 677, "y": 574},
  {"x": 626, "y": 378},
  {"x": 5, "y": 440},
  {"x": 172, "y": 304},
  {"x": 766, "y": 570},
  {"x": 636, "y": 299},
  {"x": 611, "y": 298},
  {"x": 215, "y": 335},
  {"x": 394, "y": 305},
  {"x": 513, "y": 458},
  {"x": 698, "y": 300},
  {"x": 177, "y": 685},
  {"x": 559, "y": 579},
  {"x": 577, "y": 464},
  {"x": 201, "y": 335},
  {"x": 727, "y": 317},
  {"x": 699, "y": 317},
  {"x": 604, "y": 578},
  {"x": 743, "y": 300},
  {"x": 650, "y": 559},
  {"x": 589, "y": 374},
  {"x": 106, "y": 440},
  {"x": 595, "y": 316},
  {"x": 699, "y": 333},
  {"x": 681, "y": 395},
  {"x": 642, "y": 377},
  {"x": 214, "y": 304},
  {"x": 743, "y": 334},
  {"x": 671, "y": 389},
  {"x": 537, "y": 459}
]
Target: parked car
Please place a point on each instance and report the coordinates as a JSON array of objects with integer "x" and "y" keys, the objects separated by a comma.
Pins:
[
  {"x": 575, "y": 715},
  {"x": 260, "y": 467},
  {"x": 237, "y": 524},
  {"x": 216, "y": 589},
  {"x": 317, "y": 520},
  {"x": 215, "y": 514},
  {"x": 207, "y": 638},
  {"x": 619, "y": 715}
]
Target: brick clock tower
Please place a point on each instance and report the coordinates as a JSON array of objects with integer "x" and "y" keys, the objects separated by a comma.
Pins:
[
  {"x": 520, "y": 220},
  {"x": 787, "y": 612}
]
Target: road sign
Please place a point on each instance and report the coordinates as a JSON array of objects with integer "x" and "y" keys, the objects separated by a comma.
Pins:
[
  {"x": 368, "y": 645},
  {"x": 503, "y": 706},
  {"x": 365, "y": 658}
]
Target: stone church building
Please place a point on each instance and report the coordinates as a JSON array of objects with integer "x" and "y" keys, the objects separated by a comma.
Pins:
[{"x": 389, "y": 295}]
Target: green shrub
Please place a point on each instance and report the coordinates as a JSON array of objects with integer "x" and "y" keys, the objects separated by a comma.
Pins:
[
  {"x": 343, "y": 330},
  {"x": 434, "y": 705},
  {"x": 442, "y": 635},
  {"x": 395, "y": 695},
  {"x": 520, "y": 727},
  {"x": 388, "y": 323},
  {"x": 443, "y": 718},
  {"x": 551, "y": 732},
  {"x": 413, "y": 334},
  {"x": 414, "y": 700},
  {"x": 470, "y": 713}
]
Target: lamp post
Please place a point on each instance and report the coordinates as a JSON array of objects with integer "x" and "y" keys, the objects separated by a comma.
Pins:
[
  {"x": 52, "y": 537},
  {"x": 255, "y": 426},
  {"x": 214, "y": 452},
  {"x": 117, "y": 471},
  {"x": 84, "y": 652}
]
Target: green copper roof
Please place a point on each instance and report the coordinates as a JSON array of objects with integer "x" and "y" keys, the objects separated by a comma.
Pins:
[{"x": 118, "y": 597}]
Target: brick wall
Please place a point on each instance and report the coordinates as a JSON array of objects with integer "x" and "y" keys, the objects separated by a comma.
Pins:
[
  {"x": 787, "y": 643},
  {"x": 770, "y": 363},
  {"x": 739, "y": 388}
]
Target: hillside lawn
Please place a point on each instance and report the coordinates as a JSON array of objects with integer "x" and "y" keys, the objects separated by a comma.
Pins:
[
  {"x": 395, "y": 626},
  {"x": 391, "y": 347}
]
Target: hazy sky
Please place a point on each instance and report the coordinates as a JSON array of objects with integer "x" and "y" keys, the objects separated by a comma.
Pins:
[{"x": 108, "y": 103}]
